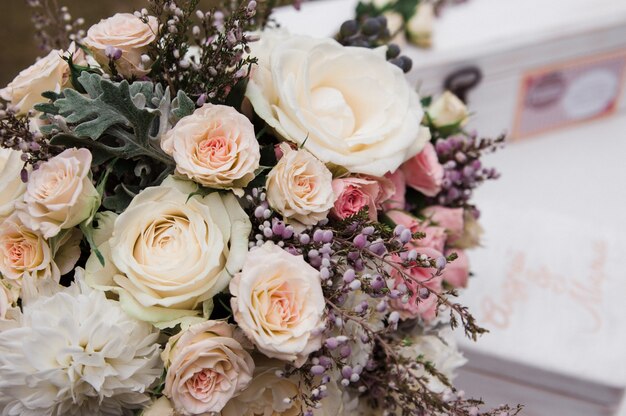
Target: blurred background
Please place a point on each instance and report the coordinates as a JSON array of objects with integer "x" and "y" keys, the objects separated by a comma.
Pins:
[{"x": 20, "y": 50}]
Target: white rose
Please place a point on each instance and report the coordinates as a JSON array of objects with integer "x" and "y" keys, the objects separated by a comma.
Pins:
[
  {"x": 278, "y": 302},
  {"x": 11, "y": 185},
  {"x": 24, "y": 252},
  {"x": 441, "y": 350},
  {"x": 447, "y": 110},
  {"x": 267, "y": 394},
  {"x": 206, "y": 366},
  {"x": 160, "y": 407},
  {"x": 7, "y": 298},
  {"x": 215, "y": 146},
  {"x": 60, "y": 194},
  {"x": 50, "y": 73},
  {"x": 420, "y": 26},
  {"x": 300, "y": 188},
  {"x": 472, "y": 233},
  {"x": 169, "y": 252},
  {"x": 125, "y": 32},
  {"x": 347, "y": 105}
]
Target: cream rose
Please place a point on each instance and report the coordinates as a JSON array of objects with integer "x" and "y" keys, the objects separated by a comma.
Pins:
[
  {"x": 24, "y": 252},
  {"x": 11, "y": 185},
  {"x": 300, "y": 188},
  {"x": 278, "y": 302},
  {"x": 169, "y": 251},
  {"x": 348, "y": 106},
  {"x": 59, "y": 194},
  {"x": 125, "y": 32},
  {"x": 206, "y": 367},
  {"x": 215, "y": 146},
  {"x": 448, "y": 110},
  {"x": 420, "y": 26},
  {"x": 50, "y": 73}
]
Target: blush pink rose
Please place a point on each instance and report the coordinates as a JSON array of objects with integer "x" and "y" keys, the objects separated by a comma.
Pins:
[
  {"x": 353, "y": 195},
  {"x": 387, "y": 189},
  {"x": 420, "y": 277},
  {"x": 456, "y": 273},
  {"x": 449, "y": 218},
  {"x": 435, "y": 236},
  {"x": 206, "y": 367},
  {"x": 423, "y": 172},
  {"x": 398, "y": 199}
]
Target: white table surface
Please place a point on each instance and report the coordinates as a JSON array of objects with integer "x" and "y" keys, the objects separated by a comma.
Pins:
[{"x": 559, "y": 194}]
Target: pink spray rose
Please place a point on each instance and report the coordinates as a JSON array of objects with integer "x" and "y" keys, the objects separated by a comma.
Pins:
[
  {"x": 449, "y": 218},
  {"x": 423, "y": 172},
  {"x": 354, "y": 194},
  {"x": 397, "y": 200},
  {"x": 435, "y": 236},
  {"x": 387, "y": 189},
  {"x": 421, "y": 278},
  {"x": 457, "y": 272}
]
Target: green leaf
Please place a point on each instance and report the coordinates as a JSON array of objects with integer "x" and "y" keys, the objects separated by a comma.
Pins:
[
  {"x": 87, "y": 230},
  {"x": 182, "y": 105},
  {"x": 103, "y": 179},
  {"x": 93, "y": 116},
  {"x": 118, "y": 200}
]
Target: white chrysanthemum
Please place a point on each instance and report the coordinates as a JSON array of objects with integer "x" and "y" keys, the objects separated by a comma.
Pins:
[
  {"x": 440, "y": 350},
  {"x": 74, "y": 352}
]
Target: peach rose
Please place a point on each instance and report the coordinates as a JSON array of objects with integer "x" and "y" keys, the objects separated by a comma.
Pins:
[
  {"x": 398, "y": 199},
  {"x": 215, "y": 146},
  {"x": 278, "y": 302},
  {"x": 353, "y": 195},
  {"x": 299, "y": 187},
  {"x": 456, "y": 273},
  {"x": 60, "y": 194},
  {"x": 419, "y": 277},
  {"x": 127, "y": 33},
  {"x": 11, "y": 186},
  {"x": 206, "y": 367},
  {"x": 449, "y": 218},
  {"x": 423, "y": 172},
  {"x": 24, "y": 252},
  {"x": 50, "y": 73}
]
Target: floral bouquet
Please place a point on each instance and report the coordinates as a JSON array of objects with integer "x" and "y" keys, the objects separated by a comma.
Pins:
[{"x": 201, "y": 214}]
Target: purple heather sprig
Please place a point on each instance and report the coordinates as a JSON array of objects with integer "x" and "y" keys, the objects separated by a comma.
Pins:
[
  {"x": 460, "y": 156},
  {"x": 15, "y": 133},
  {"x": 55, "y": 27},
  {"x": 354, "y": 258},
  {"x": 220, "y": 38}
]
